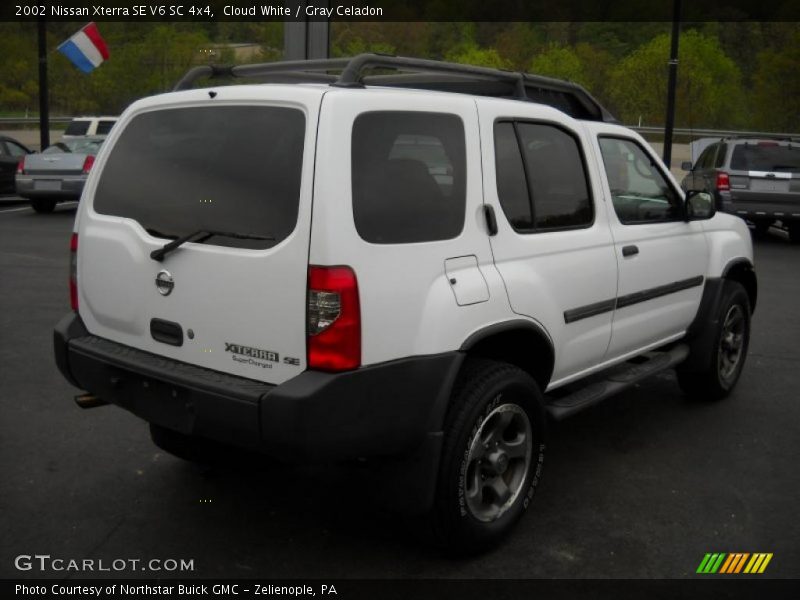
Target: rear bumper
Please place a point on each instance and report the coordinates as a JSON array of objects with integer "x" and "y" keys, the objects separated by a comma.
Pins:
[
  {"x": 393, "y": 409},
  {"x": 762, "y": 206},
  {"x": 70, "y": 186}
]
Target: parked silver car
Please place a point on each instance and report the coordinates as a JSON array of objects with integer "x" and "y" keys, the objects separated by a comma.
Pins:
[
  {"x": 57, "y": 174},
  {"x": 757, "y": 179}
]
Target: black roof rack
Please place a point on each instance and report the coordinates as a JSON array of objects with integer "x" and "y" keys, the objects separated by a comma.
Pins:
[
  {"x": 764, "y": 136},
  {"x": 568, "y": 97}
]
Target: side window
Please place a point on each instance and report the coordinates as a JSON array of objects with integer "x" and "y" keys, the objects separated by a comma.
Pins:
[
  {"x": 77, "y": 127},
  {"x": 512, "y": 188},
  {"x": 103, "y": 127},
  {"x": 639, "y": 191},
  {"x": 723, "y": 150},
  {"x": 409, "y": 176},
  {"x": 706, "y": 158},
  {"x": 541, "y": 179},
  {"x": 16, "y": 150}
]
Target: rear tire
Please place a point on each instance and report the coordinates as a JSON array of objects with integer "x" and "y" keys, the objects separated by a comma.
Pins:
[
  {"x": 761, "y": 227},
  {"x": 794, "y": 231},
  {"x": 43, "y": 205},
  {"x": 491, "y": 458},
  {"x": 730, "y": 342}
]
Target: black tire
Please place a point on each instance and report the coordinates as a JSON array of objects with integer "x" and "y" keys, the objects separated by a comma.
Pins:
[
  {"x": 468, "y": 516},
  {"x": 731, "y": 337},
  {"x": 794, "y": 231},
  {"x": 43, "y": 205},
  {"x": 761, "y": 227}
]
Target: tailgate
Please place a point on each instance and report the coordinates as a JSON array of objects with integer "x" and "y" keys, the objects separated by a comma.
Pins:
[
  {"x": 223, "y": 163},
  {"x": 766, "y": 172}
]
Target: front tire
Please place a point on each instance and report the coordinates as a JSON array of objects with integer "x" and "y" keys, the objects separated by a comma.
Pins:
[
  {"x": 730, "y": 343},
  {"x": 43, "y": 205},
  {"x": 492, "y": 456}
]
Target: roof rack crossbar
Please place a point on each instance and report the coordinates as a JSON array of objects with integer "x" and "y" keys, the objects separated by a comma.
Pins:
[
  {"x": 259, "y": 70},
  {"x": 351, "y": 75}
]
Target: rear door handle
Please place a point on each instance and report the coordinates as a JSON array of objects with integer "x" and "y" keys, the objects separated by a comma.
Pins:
[
  {"x": 630, "y": 250},
  {"x": 491, "y": 220}
]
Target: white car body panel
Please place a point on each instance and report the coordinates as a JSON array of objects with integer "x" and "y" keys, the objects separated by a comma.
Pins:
[
  {"x": 409, "y": 304},
  {"x": 251, "y": 298}
]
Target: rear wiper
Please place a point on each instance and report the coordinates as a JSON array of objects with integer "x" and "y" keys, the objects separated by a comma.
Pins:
[{"x": 201, "y": 236}]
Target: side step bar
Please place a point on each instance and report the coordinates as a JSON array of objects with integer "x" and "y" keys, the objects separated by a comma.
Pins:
[{"x": 617, "y": 379}]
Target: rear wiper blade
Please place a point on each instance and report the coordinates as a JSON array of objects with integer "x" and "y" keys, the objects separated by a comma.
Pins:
[{"x": 201, "y": 236}]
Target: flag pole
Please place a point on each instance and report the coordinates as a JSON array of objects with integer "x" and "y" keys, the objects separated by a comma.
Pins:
[{"x": 44, "y": 106}]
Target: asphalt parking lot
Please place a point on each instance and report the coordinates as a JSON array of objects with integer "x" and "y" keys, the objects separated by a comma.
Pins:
[{"x": 641, "y": 486}]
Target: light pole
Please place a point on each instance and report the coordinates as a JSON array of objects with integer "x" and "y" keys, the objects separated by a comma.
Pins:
[{"x": 669, "y": 122}]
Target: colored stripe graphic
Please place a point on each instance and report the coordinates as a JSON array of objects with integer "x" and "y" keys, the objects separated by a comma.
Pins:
[
  {"x": 734, "y": 563},
  {"x": 758, "y": 563},
  {"x": 711, "y": 562}
]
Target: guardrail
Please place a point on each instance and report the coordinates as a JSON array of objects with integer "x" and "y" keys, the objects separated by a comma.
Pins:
[
  {"x": 712, "y": 133},
  {"x": 683, "y": 132},
  {"x": 31, "y": 120}
]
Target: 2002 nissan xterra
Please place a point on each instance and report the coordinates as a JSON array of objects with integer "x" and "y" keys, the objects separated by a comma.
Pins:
[{"x": 418, "y": 266}]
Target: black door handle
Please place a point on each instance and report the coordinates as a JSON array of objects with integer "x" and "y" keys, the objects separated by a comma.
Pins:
[
  {"x": 630, "y": 250},
  {"x": 491, "y": 220}
]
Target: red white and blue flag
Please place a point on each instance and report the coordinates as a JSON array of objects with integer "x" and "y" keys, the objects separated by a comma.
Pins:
[{"x": 86, "y": 49}]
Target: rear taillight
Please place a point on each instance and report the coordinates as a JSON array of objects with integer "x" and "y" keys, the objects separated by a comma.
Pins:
[
  {"x": 723, "y": 182},
  {"x": 73, "y": 272},
  {"x": 21, "y": 166},
  {"x": 333, "y": 319},
  {"x": 87, "y": 164}
]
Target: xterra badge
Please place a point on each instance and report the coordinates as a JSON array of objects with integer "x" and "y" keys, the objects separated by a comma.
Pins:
[{"x": 252, "y": 352}]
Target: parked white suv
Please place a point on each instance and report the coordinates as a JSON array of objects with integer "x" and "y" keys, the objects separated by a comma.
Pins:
[
  {"x": 415, "y": 269},
  {"x": 81, "y": 127}
]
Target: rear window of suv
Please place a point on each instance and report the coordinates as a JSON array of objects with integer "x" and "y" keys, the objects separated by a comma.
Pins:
[
  {"x": 409, "y": 176},
  {"x": 766, "y": 156},
  {"x": 226, "y": 168}
]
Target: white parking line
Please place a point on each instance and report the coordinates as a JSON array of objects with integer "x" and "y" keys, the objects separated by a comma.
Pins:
[{"x": 15, "y": 209}]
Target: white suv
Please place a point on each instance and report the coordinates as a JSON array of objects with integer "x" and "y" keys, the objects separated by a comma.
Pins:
[
  {"x": 418, "y": 269},
  {"x": 81, "y": 127}
]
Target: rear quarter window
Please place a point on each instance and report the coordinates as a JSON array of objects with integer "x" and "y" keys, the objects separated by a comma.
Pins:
[
  {"x": 408, "y": 176},
  {"x": 103, "y": 127},
  {"x": 226, "y": 168},
  {"x": 77, "y": 128}
]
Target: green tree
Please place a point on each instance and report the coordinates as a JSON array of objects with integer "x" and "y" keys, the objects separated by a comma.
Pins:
[
  {"x": 472, "y": 54},
  {"x": 776, "y": 88},
  {"x": 708, "y": 93},
  {"x": 561, "y": 62}
]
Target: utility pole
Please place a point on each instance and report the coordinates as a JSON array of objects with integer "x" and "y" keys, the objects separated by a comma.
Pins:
[
  {"x": 669, "y": 122},
  {"x": 44, "y": 105},
  {"x": 304, "y": 39}
]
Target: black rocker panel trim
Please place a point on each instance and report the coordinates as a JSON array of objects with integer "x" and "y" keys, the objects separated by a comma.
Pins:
[{"x": 596, "y": 308}]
